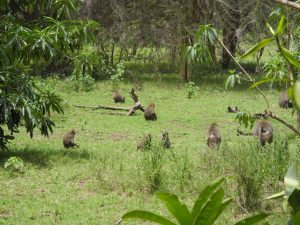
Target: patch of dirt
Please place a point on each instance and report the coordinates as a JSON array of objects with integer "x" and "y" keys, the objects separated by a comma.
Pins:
[
  {"x": 117, "y": 136},
  {"x": 5, "y": 214}
]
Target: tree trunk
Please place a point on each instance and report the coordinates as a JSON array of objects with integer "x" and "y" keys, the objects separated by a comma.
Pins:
[
  {"x": 183, "y": 65},
  {"x": 230, "y": 38}
]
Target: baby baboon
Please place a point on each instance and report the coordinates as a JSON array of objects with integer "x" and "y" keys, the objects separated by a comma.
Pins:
[
  {"x": 118, "y": 97},
  {"x": 232, "y": 110},
  {"x": 263, "y": 130},
  {"x": 284, "y": 101},
  {"x": 149, "y": 113},
  {"x": 144, "y": 143},
  {"x": 68, "y": 140},
  {"x": 165, "y": 141},
  {"x": 213, "y": 136}
]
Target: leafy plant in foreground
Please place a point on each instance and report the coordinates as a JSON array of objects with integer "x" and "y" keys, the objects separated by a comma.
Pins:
[
  {"x": 191, "y": 89},
  {"x": 206, "y": 210},
  {"x": 14, "y": 164},
  {"x": 291, "y": 194}
]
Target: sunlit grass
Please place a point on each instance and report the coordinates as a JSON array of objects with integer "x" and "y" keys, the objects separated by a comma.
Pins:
[{"x": 106, "y": 176}]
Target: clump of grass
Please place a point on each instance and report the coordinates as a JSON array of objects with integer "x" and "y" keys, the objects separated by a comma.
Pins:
[
  {"x": 256, "y": 167},
  {"x": 152, "y": 163}
]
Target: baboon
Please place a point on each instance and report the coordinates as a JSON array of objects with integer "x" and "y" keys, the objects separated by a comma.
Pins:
[
  {"x": 263, "y": 130},
  {"x": 68, "y": 140},
  {"x": 284, "y": 101},
  {"x": 213, "y": 136},
  {"x": 232, "y": 110},
  {"x": 144, "y": 143},
  {"x": 149, "y": 113},
  {"x": 165, "y": 141},
  {"x": 118, "y": 97}
]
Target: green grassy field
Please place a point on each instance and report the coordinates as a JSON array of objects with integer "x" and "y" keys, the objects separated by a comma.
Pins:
[{"x": 107, "y": 176}]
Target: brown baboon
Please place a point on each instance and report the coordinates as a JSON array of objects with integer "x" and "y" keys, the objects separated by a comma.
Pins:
[
  {"x": 263, "y": 130},
  {"x": 165, "y": 141},
  {"x": 118, "y": 97},
  {"x": 232, "y": 110},
  {"x": 213, "y": 136},
  {"x": 68, "y": 140},
  {"x": 144, "y": 143},
  {"x": 149, "y": 113},
  {"x": 284, "y": 101}
]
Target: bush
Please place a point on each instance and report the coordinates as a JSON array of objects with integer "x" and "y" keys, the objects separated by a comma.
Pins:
[{"x": 14, "y": 164}]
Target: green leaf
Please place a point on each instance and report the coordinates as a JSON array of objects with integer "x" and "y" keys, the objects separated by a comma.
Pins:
[
  {"x": 176, "y": 208},
  {"x": 141, "y": 214},
  {"x": 209, "y": 212},
  {"x": 296, "y": 94},
  {"x": 253, "y": 219},
  {"x": 204, "y": 196},
  {"x": 266, "y": 80},
  {"x": 289, "y": 57},
  {"x": 271, "y": 29},
  {"x": 281, "y": 25},
  {"x": 258, "y": 46},
  {"x": 296, "y": 218},
  {"x": 223, "y": 206}
]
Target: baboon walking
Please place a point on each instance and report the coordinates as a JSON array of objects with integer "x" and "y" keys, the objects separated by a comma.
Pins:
[
  {"x": 144, "y": 143},
  {"x": 118, "y": 97},
  {"x": 262, "y": 130},
  {"x": 232, "y": 110},
  {"x": 165, "y": 141},
  {"x": 149, "y": 113},
  {"x": 68, "y": 140},
  {"x": 284, "y": 101},
  {"x": 213, "y": 136}
]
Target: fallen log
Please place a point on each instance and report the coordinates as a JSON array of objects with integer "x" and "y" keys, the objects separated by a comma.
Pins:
[
  {"x": 103, "y": 107},
  {"x": 138, "y": 106}
]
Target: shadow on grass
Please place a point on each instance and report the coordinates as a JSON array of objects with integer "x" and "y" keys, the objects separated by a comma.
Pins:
[{"x": 42, "y": 157}]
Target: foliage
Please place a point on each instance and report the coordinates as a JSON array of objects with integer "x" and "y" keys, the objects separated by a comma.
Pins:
[
  {"x": 191, "y": 89},
  {"x": 233, "y": 77},
  {"x": 117, "y": 75},
  {"x": 82, "y": 83},
  {"x": 276, "y": 69},
  {"x": 290, "y": 57},
  {"x": 203, "y": 50},
  {"x": 247, "y": 119},
  {"x": 152, "y": 163},
  {"x": 209, "y": 205},
  {"x": 31, "y": 31},
  {"x": 14, "y": 164},
  {"x": 84, "y": 61},
  {"x": 291, "y": 194},
  {"x": 270, "y": 164}
]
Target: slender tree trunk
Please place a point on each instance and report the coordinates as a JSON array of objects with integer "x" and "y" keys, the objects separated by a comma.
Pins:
[
  {"x": 112, "y": 54},
  {"x": 183, "y": 65},
  {"x": 230, "y": 38}
]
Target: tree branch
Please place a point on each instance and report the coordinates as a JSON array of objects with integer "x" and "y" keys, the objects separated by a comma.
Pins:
[{"x": 288, "y": 3}]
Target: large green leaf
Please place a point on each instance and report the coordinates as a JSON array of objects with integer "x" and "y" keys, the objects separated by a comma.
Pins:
[
  {"x": 281, "y": 25},
  {"x": 204, "y": 196},
  {"x": 209, "y": 212},
  {"x": 267, "y": 80},
  {"x": 253, "y": 219},
  {"x": 289, "y": 57},
  {"x": 296, "y": 94},
  {"x": 296, "y": 218},
  {"x": 258, "y": 46},
  {"x": 176, "y": 208},
  {"x": 141, "y": 214}
]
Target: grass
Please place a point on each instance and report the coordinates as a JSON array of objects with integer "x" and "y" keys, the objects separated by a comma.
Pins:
[{"x": 107, "y": 176}]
